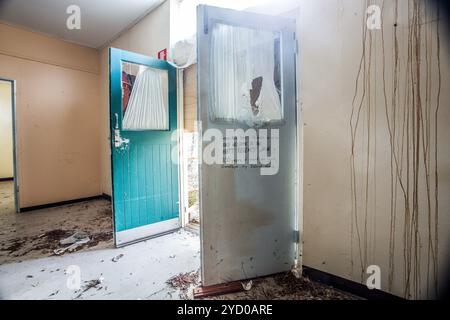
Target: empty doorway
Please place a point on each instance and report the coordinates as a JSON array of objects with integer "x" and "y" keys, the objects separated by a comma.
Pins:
[{"x": 8, "y": 175}]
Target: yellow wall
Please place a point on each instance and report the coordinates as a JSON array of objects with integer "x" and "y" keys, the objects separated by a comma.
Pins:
[
  {"x": 57, "y": 115},
  {"x": 147, "y": 37},
  {"x": 6, "y": 139}
]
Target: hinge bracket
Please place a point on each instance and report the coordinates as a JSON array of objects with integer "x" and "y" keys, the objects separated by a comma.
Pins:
[{"x": 297, "y": 236}]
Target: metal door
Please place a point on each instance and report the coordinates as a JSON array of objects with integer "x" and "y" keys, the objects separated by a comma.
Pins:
[{"x": 248, "y": 220}]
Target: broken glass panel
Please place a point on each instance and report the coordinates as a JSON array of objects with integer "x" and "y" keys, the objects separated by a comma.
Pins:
[{"x": 246, "y": 76}]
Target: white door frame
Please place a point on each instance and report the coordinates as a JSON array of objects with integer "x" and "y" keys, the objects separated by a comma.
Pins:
[{"x": 14, "y": 135}]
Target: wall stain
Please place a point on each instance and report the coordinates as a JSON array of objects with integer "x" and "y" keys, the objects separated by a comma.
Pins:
[{"x": 411, "y": 95}]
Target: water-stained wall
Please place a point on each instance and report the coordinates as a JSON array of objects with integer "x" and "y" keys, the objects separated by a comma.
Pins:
[{"x": 376, "y": 114}]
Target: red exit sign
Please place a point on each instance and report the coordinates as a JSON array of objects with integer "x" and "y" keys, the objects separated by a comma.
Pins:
[{"x": 162, "y": 55}]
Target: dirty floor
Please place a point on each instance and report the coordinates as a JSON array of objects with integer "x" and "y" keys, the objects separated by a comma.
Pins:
[
  {"x": 138, "y": 271},
  {"x": 283, "y": 286},
  {"x": 161, "y": 268},
  {"x": 166, "y": 267},
  {"x": 287, "y": 287},
  {"x": 35, "y": 234}
]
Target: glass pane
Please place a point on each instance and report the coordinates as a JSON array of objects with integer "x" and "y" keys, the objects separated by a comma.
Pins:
[
  {"x": 145, "y": 98},
  {"x": 246, "y": 76}
]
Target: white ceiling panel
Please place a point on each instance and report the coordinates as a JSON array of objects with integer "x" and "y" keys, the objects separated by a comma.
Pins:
[{"x": 101, "y": 20}]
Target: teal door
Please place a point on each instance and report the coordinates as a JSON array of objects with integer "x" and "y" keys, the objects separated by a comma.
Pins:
[{"x": 143, "y": 113}]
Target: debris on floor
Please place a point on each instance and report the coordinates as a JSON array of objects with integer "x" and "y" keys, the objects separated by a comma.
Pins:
[
  {"x": 141, "y": 273},
  {"x": 185, "y": 282},
  {"x": 36, "y": 234},
  {"x": 76, "y": 240},
  {"x": 46, "y": 241},
  {"x": 50, "y": 243},
  {"x": 117, "y": 258},
  {"x": 76, "y": 237},
  {"x": 287, "y": 287},
  {"x": 96, "y": 283},
  {"x": 247, "y": 285}
]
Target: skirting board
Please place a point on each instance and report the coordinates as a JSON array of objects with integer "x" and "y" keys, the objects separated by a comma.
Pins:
[
  {"x": 346, "y": 285},
  {"x": 63, "y": 203},
  {"x": 328, "y": 279}
]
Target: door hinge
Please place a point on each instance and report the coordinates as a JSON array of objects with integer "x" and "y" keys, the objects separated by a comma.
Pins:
[
  {"x": 297, "y": 236},
  {"x": 205, "y": 21}
]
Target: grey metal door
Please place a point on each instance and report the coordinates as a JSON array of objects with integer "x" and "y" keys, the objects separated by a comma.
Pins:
[{"x": 246, "y": 86}]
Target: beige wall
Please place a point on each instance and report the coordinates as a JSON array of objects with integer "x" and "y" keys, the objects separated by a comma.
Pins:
[
  {"x": 6, "y": 139},
  {"x": 147, "y": 37},
  {"x": 57, "y": 115},
  {"x": 347, "y": 208},
  {"x": 190, "y": 97}
]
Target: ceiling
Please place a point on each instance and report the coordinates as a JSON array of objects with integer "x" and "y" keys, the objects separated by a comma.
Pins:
[{"x": 101, "y": 20}]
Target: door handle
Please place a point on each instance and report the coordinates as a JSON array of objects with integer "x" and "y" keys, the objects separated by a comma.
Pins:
[{"x": 118, "y": 140}]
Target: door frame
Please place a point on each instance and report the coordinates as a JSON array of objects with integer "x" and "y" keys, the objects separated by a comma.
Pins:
[
  {"x": 180, "y": 122},
  {"x": 182, "y": 177},
  {"x": 14, "y": 142}
]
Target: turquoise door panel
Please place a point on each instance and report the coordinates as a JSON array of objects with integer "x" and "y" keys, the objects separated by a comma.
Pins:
[{"x": 144, "y": 176}]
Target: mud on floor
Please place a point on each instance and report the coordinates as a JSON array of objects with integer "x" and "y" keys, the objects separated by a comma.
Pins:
[
  {"x": 284, "y": 286},
  {"x": 35, "y": 234},
  {"x": 43, "y": 245}
]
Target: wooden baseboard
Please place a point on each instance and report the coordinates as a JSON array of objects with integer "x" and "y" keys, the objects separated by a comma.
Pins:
[{"x": 218, "y": 289}]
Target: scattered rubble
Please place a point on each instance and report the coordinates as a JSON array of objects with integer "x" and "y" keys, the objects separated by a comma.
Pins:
[
  {"x": 76, "y": 240},
  {"x": 117, "y": 258},
  {"x": 54, "y": 242},
  {"x": 54, "y": 293},
  {"x": 22, "y": 246},
  {"x": 37, "y": 234},
  {"x": 185, "y": 282},
  {"x": 96, "y": 283},
  {"x": 247, "y": 286},
  {"x": 287, "y": 287}
]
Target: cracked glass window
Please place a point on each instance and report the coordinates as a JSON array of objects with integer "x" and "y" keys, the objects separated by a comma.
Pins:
[{"x": 246, "y": 75}]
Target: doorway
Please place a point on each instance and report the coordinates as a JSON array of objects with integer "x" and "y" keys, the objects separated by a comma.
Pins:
[
  {"x": 190, "y": 149},
  {"x": 8, "y": 172}
]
